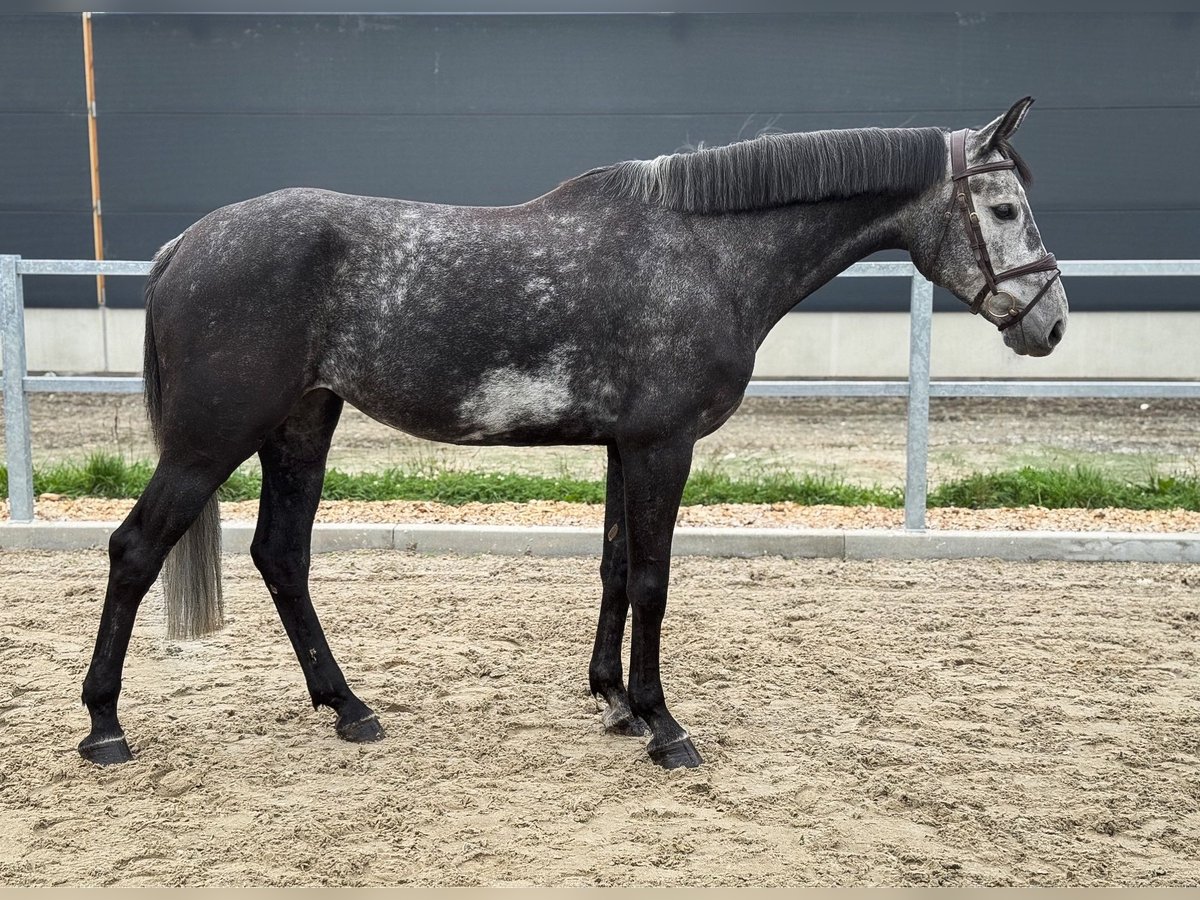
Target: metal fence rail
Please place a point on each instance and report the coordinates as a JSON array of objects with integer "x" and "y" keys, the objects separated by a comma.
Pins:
[{"x": 918, "y": 388}]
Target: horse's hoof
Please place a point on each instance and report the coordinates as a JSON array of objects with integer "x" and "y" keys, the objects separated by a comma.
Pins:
[
  {"x": 106, "y": 751},
  {"x": 679, "y": 754},
  {"x": 625, "y": 724},
  {"x": 361, "y": 731}
]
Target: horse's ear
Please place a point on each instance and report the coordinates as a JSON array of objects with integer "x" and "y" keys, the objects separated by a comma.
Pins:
[{"x": 1002, "y": 128}]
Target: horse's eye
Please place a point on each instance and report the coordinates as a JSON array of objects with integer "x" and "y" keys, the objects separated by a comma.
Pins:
[{"x": 1005, "y": 211}]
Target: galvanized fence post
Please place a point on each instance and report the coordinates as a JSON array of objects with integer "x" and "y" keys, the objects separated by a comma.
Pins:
[
  {"x": 16, "y": 402},
  {"x": 917, "y": 451}
]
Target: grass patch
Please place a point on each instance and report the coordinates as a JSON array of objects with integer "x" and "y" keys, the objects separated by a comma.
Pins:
[
  {"x": 456, "y": 488},
  {"x": 105, "y": 475},
  {"x": 705, "y": 488},
  {"x": 1076, "y": 487}
]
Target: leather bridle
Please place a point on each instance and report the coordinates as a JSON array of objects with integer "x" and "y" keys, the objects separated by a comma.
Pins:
[{"x": 999, "y": 307}]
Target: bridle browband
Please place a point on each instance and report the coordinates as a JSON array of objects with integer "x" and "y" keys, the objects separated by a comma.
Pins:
[{"x": 999, "y": 307}]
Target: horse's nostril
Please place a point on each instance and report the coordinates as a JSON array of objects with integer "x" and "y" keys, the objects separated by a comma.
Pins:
[{"x": 1056, "y": 333}]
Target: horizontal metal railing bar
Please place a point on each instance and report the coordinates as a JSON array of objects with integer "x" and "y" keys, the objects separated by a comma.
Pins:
[
  {"x": 948, "y": 388},
  {"x": 70, "y": 384},
  {"x": 1104, "y": 389},
  {"x": 49, "y": 384},
  {"x": 1123, "y": 268},
  {"x": 885, "y": 269},
  {"x": 82, "y": 267},
  {"x": 881, "y": 270},
  {"x": 827, "y": 389}
]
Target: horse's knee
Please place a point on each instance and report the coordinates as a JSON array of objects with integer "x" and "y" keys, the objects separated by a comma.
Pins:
[
  {"x": 121, "y": 542},
  {"x": 648, "y": 592},
  {"x": 285, "y": 572},
  {"x": 614, "y": 571},
  {"x": 133, "y": 559}
]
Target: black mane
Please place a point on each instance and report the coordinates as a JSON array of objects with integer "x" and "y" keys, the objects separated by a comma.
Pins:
[{"x": 777, "y": 169}]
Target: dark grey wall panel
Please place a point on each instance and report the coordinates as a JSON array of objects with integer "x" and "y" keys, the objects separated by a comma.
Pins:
[
  {"x": 643, "y": 63},
  {"x": 44, "y": 163},
  {"x": 47, "y": 235},
  {"x": 1142, "y": 158},
  {"x": 1122, "y": 234},
  {"x": 41, "y": 64},
  {"x": 488, "y": 159},
  {"x": 51, "y": 236},
  {"x": 202, "y": 110},
  {"x": 45, "y": 198},
  {"x": 482, "y": 159}
]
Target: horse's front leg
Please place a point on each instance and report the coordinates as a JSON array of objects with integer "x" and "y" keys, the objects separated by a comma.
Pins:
[
  {"x": 605, "y": 674},
  {"x": 654, "y": 480}
]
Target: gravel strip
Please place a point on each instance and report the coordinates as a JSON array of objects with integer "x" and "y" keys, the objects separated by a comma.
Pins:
[{"x": 774, "y": 515}]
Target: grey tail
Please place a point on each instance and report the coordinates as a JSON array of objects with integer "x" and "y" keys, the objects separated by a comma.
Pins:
[{"x": 192, "y": 573}]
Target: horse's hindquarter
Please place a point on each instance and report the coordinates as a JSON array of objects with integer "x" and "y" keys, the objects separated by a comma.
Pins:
[{"x": 523, "y": 324}]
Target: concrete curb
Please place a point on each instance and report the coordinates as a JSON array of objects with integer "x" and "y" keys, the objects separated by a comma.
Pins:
[{"x": 515, "y": 540}]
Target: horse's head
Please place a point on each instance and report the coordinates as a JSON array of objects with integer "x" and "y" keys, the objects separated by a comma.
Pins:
[{"x": 977, "y": 238}]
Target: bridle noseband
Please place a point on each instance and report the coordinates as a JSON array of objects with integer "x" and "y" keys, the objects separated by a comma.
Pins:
[{"x": 999, "y": 307}]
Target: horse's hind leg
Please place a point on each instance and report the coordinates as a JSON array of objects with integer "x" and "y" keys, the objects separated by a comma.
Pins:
[
  {"x": 604, "y": 674},
  {"x": 174, "y": 498},
  {"x": 293, "y": 465}
]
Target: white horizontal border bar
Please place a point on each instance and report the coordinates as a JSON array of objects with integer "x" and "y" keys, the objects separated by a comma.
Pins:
[{"x": 516, "y": 540}]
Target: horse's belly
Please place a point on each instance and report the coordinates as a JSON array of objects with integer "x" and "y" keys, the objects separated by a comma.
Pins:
[{"x": 510, "y": 406}]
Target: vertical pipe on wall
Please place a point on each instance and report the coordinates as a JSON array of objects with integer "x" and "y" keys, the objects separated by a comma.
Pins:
[{"x": 89, "y": 77}]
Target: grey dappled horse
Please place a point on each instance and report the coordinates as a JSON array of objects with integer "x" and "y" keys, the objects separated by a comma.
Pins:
[{"x": 622, "y": 309}]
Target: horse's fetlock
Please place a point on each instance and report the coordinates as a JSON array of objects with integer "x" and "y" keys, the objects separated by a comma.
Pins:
[
  {"x": 100, "y": 699},
  {"x": 645, "y": 703},
  {"x": 604, "y": 678}
]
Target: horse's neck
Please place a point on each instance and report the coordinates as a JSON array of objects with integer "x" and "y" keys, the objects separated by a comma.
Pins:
[{"x": 803, "y": 246}]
